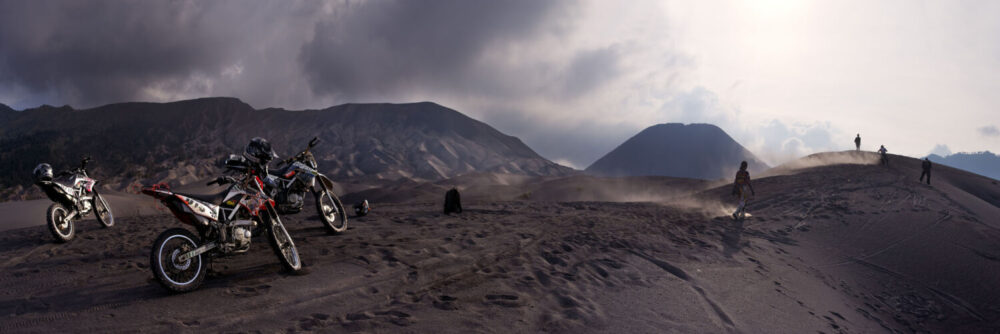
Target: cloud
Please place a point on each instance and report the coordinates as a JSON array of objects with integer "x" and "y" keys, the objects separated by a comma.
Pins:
[
  {"x": 941, "y": 150},
  {"x": 989, "y": 131},
  {"x": 771, "y": 140},
  {"x": 381, "y": 49},
  {"x": 571, "y": 78},
  {"x": 106, "y": 51}
]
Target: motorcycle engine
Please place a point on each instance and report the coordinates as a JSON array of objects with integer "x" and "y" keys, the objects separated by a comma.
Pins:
[
  {"x": 241, "y": 236},
  {"x": 85, "y": 206},
  {"x": 295, "y": 199}
]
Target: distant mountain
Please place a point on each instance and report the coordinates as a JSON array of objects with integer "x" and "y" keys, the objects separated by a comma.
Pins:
[
  {"x": 6, "y": 112},
  {"x": 181, "y": 142},
  {"x": 700, "y": 151},
  {"x": 982, "y": 163}
]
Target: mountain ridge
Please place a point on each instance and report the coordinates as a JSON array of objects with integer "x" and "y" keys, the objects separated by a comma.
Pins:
[
  {"x": 984, "y": 163},
  {"x": 668, "y": 149},
  {"x": 183, "y": 141}
]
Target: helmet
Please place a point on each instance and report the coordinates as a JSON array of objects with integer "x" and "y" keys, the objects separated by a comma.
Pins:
[
  {"x": 259, "y": 151},
  {"x": 43, "y": 172},
  {"x": 743, "y": 165}
]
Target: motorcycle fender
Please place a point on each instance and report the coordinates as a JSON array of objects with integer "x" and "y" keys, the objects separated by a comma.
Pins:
[{"x": 325, "y": 182}]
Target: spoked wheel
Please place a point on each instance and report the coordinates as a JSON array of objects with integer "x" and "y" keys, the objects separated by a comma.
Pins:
[
  {"x": 59, "y": 225},
  {"x": 103, "y": 211},
  {"x": 331, "y": 211},
  {"x": 165, "y": 261},
  {"x": 283, "y": 246}
]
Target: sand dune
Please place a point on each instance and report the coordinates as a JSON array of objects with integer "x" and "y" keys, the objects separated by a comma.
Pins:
[{"x": 849, "y": 248}]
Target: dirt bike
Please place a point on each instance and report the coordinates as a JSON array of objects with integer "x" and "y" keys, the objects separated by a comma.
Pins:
[
  {"x": 288, "y": 186},
  {"x": 225, "y": 222},
  {"x": 75, "y": 197}
]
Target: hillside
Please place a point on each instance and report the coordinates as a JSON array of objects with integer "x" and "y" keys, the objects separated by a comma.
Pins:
[
  {"x": 700, "y": 151},
  {"x": 181, "y": 142}
]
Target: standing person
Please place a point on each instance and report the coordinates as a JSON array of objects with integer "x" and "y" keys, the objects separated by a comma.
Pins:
[
  {"x": 885, "y": 158},
  {"x": 743, "y": 190},
  {"x": 927, "y": 171},
  {"x": 857, "y": 142}
]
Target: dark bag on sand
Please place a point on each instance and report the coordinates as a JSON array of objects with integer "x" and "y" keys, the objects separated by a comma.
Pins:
[{"x": 452, "y": 202}]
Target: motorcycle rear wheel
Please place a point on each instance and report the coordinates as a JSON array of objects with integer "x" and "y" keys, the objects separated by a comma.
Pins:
[
  {"x": 172, "y": 274},
  {"x": 61, "y": 228}
]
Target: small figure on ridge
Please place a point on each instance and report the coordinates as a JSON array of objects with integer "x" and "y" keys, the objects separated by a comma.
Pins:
[
  {"x": 927, "y": 171},
  {"x": 743, "y": 190},
  {"x": 885, "y": 158}
]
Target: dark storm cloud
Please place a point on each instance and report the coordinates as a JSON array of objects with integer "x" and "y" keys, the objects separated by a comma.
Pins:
[
  {"x": 510, "y": 63},
  {"x": 590, "y": 69},
  {"x": 95, "y": 52},
  {"x": 386, "y": 47}
]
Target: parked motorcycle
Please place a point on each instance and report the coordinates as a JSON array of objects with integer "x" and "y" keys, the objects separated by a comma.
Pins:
[
  {"x": 225, "y": 222},
  {"x": 75, "y": 197},
  {"x": 288, "y": 186}
]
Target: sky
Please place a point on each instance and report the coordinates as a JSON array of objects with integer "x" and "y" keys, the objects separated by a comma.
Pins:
[{"x": 572, "y": 79}]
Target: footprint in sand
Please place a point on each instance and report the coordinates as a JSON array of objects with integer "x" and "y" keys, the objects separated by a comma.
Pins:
[
  {"x": 446, "y": 303},
  {"x": 503, "y": 300},
  {"x": 250, "y": 291}
]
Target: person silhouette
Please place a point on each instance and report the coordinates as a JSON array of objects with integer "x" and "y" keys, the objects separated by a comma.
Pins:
[
  {"x": 743, "y": 189},
  {"x": 885, "y": 158},
  {"x": 857, "y": 142},
  {"x": 927, "y": 171}
]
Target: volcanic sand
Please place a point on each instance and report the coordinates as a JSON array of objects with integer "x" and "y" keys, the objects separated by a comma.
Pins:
[{"x": 845, "y": 248}]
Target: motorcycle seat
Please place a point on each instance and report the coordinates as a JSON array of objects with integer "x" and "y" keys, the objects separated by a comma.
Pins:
[{"x": 210, "y": 198}]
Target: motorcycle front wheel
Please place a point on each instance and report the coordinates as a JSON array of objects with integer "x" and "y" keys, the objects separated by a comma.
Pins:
[
  {"x": 61, "y": 228},
  {"x": 284, "y": 248},
  {"x": 173, "y": 274},
  {"x": 331, "y": 211},
  {"x": 103, "y": 211}
]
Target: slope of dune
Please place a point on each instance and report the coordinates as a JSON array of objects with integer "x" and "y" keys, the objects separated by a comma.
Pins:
[
  {"x": 831, "y": 248},
  {"x": 493, "y": 187}
]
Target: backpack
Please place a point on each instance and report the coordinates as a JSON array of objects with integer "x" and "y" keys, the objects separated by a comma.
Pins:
[
  {"x": 452, "y": 202},
  {"x": 361, "y": 209}
]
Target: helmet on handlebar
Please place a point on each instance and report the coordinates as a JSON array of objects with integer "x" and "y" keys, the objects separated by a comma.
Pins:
[
  {"x": 259, "y": 151},
  {"x": 43, "y": 172}
]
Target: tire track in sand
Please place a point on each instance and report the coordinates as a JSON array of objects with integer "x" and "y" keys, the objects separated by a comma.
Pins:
[{"x": 724, "y": 317}]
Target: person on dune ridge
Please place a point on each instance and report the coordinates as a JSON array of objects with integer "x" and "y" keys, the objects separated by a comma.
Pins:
[
  {"x": 882, "y": 151},
  {"x": 857, "y": 143},
  {"x": 927, "y": 171},
  {"x": 743, "y": 189}
]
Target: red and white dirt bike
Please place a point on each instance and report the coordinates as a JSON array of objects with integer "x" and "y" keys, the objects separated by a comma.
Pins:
[
  {"x": 225, "y": 222},
  {"x": 75, "y": 197}
]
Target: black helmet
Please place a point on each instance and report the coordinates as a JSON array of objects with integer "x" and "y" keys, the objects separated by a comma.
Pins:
[
  {"x": 743, "y": 165},
  {"x": 259, "y": 151},
  {"x": 43, "y": 172}
]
